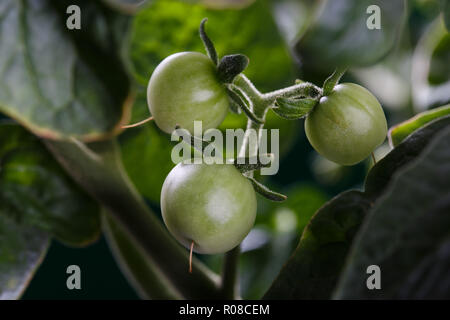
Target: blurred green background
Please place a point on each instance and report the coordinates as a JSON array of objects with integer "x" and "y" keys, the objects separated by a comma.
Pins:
[{"x": 285, "y": 40}]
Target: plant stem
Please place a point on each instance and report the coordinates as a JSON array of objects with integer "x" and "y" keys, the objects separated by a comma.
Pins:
[{"x": 261, "y": 103}]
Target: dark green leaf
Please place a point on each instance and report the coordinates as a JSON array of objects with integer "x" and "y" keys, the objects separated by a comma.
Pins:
[
  {"x": 35, "y": 191},
  {"x": 339, "y": 36},
  {"x": 407, "y": 233},
  {"x": 140, "y": 271},
  {"x": 313, "y": 270},
  {"x": 399, "y": 132},
  {"x": 380, "y": 174},
  {"x": 230, "y": 66},
  {"x": 22, "y": 249},
  {"x": 293, "y": 109},
  {"x": 60, "y": 85}
]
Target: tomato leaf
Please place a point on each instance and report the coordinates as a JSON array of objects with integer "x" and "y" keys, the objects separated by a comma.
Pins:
[
  {"x": 399, "y": 132},
  {"x": 35, "y": 191},
  {"x": 313, "y": 270},
  {"x": 22, "y": 248},
  {"x": 60, "y": 85},
  {"x": 406, "y": 233},
  {"x": 341, "y": 26}
]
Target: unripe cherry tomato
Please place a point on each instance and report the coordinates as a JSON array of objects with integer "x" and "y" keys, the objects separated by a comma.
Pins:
[
  {"x": 347, "y": 125},
  {"x": 184, "y": 87},
  {"x": 212, "y": 205}
]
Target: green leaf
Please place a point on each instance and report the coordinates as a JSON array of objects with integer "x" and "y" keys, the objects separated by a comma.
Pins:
[
  {"x": 407, "y": 233},
  {"x": 60, "y": 85},
  {"x": 313, "y": 270},
  {"x": 166, "y": 27},
  {"x": 35, "y": 191},
  {"x": 399, "y": 132},
  {"x": 339, "y": 36},
  {"x": 430, "y": 70},
  {"x": 22, "y": 249},
  {"x": 140, "y": 271},
  {"x": 293, "y": 109}
]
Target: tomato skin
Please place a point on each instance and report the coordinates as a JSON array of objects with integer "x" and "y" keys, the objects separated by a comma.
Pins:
[
  {"x": 212, "y": 205},
  {"x": 184, "y": 87},
  {"x": 347, "y": 125}
]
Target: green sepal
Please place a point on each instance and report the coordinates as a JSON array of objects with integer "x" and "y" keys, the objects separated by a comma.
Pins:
[
  {"x": 332, "y": 80},
  {"x": 241, "y": 100},
  {"x": 234, "y": 107},
  {"x": 209, "y": 46},
  {"x": 266, "y": 192},
  {"x": 230, "y": 66},
  {"x": 293, "y": 109},
  {"x": 246, "y": 164},
  {"x": 195, "y": 142}
]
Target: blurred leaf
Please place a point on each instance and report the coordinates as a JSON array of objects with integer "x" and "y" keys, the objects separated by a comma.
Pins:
[
  {"x": 339, "y": 35},
  {"x": 400, "y": 131},
  {"x": 140, "y": 271},
  {"x": 146, "y": 155},
  {"x": 313, "y": 270},
  {"x": 168, "y": 26},
  {"x": 22, "y": 249},
  {"x": 407, "y": 233},
  {"x": 430, "y": 73},
  {"x": 35, "y": 191},
  {"x": 311, "y": 273},
  {"x": 57, "y": 82}
]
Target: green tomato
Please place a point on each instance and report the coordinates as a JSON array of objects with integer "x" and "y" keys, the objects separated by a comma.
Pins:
[
  {"x": 347, "y": 125},
  {"x": 212, "y": 205},
  {"x": 184, "y": 87}
]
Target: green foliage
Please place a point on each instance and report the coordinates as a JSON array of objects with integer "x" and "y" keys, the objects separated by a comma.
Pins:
[
  {"x": 399, "y": 132},
  {"x": 66, "y": 91},
  {"x": 35, "y": 191},
  {"x": 347, "y": 40},
  {"x": 22, "y": 248},
  {"x": 313, "y": 270},
  {"x": 407, "y": 233},
  {"x": 37, "y": 201}
]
